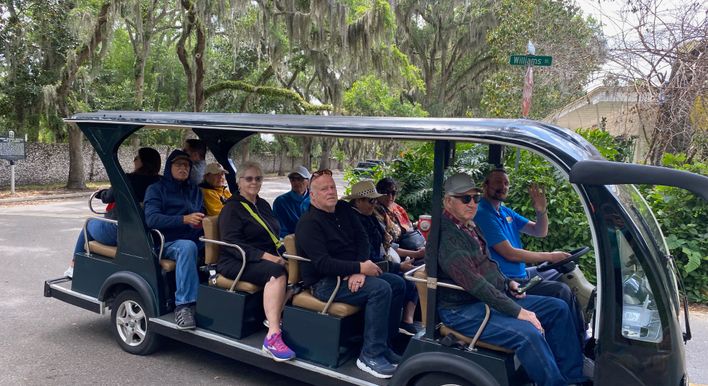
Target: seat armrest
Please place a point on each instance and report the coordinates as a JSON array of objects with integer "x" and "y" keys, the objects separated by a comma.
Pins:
[
  {"x": 85, "y": 230},
  {"x": 229, "y": 245},
  {"x": 161, "y": 239}
]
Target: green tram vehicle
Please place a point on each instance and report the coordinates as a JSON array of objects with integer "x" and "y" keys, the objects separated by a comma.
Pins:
[{"x": 635, "y": 306}]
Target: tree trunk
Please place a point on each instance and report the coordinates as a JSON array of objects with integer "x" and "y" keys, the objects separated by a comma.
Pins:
[
  {"x": 76, "y": 178},
  {"x": 327, "y": 144},
  {"x": 307, "y": 152}
]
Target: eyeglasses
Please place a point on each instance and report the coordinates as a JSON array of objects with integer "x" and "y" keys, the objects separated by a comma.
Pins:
[
  {"x": 183, "y": 165},
  {"x": 320, "y": 173},
  {"x": 253, "y": 178},
  {"x": 467, "y": 198}
]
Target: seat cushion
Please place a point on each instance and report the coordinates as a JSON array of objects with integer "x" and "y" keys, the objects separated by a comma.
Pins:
[
  {"x": 243, "y": 286},
  {"x": 306, "y": 300},
  {"x": 444, "y": 330},
  {"x": 102, "y": 249}
]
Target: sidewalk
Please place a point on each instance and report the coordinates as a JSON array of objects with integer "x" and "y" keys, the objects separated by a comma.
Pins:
[{"x": 43, "y": 196}]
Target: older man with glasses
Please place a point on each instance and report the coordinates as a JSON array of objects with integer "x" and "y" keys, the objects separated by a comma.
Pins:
[
  {"x": 175, "y": 206},
  {"x": 538, "y": 328},
  {"x": 288, "y": 207},
  {"x": 332, "y": 237}
]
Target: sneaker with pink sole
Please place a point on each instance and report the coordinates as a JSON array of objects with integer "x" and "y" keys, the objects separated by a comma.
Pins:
[{"x": 277, "y": 349}]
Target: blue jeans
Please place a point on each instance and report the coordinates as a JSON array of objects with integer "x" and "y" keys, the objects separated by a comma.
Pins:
[
  {"x": 557, "y": 289},
  {"x": 184, "y": 253},
  {"x": 382, "y": 299},
  {"x": 551, "y": 359},
  {"x": 102, "y": 231}
]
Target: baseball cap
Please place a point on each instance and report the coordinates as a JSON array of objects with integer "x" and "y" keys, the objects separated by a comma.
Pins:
[
  {"x": 302, "y": 171},
  {"x": 215, "y": 168},
  {"x": 459, "y": 183}
]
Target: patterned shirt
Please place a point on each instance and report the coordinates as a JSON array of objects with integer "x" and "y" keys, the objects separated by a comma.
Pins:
[{"x": 464, "y": 260}]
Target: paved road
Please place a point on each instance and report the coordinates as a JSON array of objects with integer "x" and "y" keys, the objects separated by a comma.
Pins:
[{"x": 46, "y": 341}]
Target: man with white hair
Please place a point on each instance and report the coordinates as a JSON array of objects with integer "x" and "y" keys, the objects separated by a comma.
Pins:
[{"x": 539, "y": 329}]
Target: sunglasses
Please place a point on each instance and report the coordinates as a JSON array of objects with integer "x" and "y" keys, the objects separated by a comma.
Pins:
[
  {"x": 253, "y": 178},
  {"x": 467, "y": 198},
  {"x": 371, "y": 201},
  {"x": 320, "y": 173},
  {"x": 296, "y": 178}
]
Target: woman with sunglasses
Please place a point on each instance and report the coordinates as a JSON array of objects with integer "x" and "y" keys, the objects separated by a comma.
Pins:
[
  {"x": 363, "y": 199},
  {"x": 406, "y": 238},
  {"x": 248, "y": 221}
]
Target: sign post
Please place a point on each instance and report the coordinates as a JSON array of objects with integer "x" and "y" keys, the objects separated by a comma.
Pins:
[{"x": 12, "y": 149}]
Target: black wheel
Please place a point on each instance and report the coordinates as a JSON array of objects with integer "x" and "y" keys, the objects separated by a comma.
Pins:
[
  {"x": 129, "y": 319},
  {"x": 574, "y": 257},
  {"x": 446, "y": 379}
]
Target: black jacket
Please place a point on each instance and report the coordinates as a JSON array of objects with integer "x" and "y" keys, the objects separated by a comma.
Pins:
[
  {"x": 237, "y": 226},
  {"x": 335, "y": 242}
]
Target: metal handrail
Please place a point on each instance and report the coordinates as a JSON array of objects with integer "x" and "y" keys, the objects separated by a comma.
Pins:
[
  {"x": 409, "y": 276},
  {"x": 90, "y": 203},
  {"x": 162, "y": 242},
  {"x": 430, "y": 280},
  {"x": 336, "y": 288},
  {"x": 85, "y": 230},
  {"x": 243, "y": 257}
]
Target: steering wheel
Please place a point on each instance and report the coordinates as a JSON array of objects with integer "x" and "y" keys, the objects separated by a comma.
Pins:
[{"x": 574, "y": 257}]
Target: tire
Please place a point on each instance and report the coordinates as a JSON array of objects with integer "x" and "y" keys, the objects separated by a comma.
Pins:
[
  {"x": 446, "y": 379},
  {"x": 129, "y": 321}
]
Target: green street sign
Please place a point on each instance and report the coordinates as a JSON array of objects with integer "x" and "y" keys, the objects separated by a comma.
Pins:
[{"x": 523, "y": 60}]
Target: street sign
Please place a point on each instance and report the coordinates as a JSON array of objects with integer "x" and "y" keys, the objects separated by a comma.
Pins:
[
  {"x": 523, "y": 60},
  {"x": 12, "y": 149}
]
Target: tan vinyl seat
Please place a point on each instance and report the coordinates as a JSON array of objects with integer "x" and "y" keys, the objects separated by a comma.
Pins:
[
  {"x": 102, "y": 249},
  {"x": 306, "y": 299},
  {"x": 211, "y": 256},
  {"x": 444, "y": 330}
]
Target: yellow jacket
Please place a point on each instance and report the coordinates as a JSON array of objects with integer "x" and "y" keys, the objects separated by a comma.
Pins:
[{"x": 214, "y": 198}]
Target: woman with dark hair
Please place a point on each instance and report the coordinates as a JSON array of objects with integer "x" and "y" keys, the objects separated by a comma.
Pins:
[
  {"x": 398, "y": 224},
  {"x": 146, "y": 168}
]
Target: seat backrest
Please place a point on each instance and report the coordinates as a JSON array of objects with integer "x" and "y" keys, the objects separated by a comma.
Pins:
[
  {"x": 211, "y": 231},
  {"x": 422, "y": 293},
  {"x": 292, "y": 265}
]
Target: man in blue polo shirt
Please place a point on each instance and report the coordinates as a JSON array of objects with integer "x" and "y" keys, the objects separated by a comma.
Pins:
[
  {"x": 288, "y": 207},
  {"x": 502, "y": 228}
]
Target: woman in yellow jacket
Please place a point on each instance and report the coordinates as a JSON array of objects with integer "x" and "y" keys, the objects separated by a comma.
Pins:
[{"x": 214, "y": 188}]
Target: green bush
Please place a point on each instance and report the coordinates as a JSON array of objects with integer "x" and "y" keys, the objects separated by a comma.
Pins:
[{"x": 683, "y": 217}]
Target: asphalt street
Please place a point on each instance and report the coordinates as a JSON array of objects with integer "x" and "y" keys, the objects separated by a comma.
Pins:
[{"x": 45, "y": 341}]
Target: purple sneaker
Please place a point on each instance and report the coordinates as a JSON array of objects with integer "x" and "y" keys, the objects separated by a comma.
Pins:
[{"x": 277, "y": 349}]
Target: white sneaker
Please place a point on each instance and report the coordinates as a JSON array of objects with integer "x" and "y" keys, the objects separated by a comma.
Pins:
[{"x": 69, "y": 272}]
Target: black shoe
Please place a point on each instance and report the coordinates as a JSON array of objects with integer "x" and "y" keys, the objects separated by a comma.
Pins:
[
  {"x": 407, "y": 329},
  {"x": 184, "y": 317}
]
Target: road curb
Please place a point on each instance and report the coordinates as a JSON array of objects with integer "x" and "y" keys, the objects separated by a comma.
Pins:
[{"x": 44, "y": 198}]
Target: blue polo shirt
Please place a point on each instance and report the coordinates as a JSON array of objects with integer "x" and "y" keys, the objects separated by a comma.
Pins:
[
  {"x": 497, "y": 227},
  {"x": 288, "y": 209}
]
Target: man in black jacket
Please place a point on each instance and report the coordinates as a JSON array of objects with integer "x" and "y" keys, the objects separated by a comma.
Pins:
[{"x": 332, "y": 237}]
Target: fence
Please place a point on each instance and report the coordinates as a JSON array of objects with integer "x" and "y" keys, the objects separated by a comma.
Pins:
[{"x": 49, "y": 163}]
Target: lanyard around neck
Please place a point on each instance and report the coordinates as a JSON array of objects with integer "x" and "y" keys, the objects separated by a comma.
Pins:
[{"x": 258, "y": 219}]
